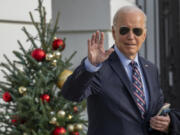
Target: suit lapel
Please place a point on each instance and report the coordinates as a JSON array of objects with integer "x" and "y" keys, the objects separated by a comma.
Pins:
[{"x": 120, "y": 71}]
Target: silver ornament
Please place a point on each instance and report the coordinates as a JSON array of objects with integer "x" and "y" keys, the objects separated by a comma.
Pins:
[
  {"x": 56, "y": 54},
  {"x": 49, "y": 56},
  {"x": 53, "y": 120},
  {"x": 61, "y": 114}
]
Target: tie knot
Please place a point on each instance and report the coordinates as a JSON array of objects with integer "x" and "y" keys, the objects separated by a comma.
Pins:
[{"x": 133, "y": 64}]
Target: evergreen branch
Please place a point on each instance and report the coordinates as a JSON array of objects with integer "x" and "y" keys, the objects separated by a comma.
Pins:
[
  {"x": 48, "y": 28},
  {"x": 49, "y": 73},
  {"x": 40, "y": 14},
  {"x": 67, "y": 62},
  {"x": 41, "y": 76},
  {"x": 48, "y": 31},
  {"x": 6, "y": 75},
  {"x": 20, "y": 62},
  {"x": 34, "y": 133},
  {"x": 20, "y": 56},
  {"x": 42, "y": 24},
  {"x": 5, "y": 83},
  {"x": 35, "y": 24},
  {"x": 29, "y": 37},
  {"x": 24, "y": 79},
  {"x": 12, "y": 78},
  {"x": 43, "y": 110},
  {"x": 45, "y": 23},
  {"x": 32, "y": 61},
  {"x": 4, "y": 88},
  {"x": 54, "y": 29},
  {"x": 14, "y": 68},
  {"x": 9, "y": 62},
  {"x": 21, "y": 47},
  {"x": 6, "y": 66}
]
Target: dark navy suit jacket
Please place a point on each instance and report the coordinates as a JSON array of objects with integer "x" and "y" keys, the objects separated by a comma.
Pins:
[{"x": 112, "y": 109}]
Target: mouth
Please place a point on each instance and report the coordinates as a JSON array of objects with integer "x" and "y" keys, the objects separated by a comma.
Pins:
[{"x": 130, "y": 44}]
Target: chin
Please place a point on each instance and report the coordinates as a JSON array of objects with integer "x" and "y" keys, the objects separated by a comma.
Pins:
[{"x": 131, "y": 54}]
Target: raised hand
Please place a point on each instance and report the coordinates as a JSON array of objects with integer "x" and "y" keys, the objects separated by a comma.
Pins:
[{"x": 96, "y": 52}]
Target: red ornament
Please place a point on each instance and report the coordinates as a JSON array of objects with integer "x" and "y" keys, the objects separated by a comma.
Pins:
[
  {"x": 14, "y": 119},
  {"x": 59, "y": 131},
  {"x": 75, "y": 109},
  {"x": 45, "y": 97},
  {"x": 58, "y": 44},
  {"x": 7, "y": 97},
  {"x": 38, "y": 54},
  {"x": 75, "y": 133}
]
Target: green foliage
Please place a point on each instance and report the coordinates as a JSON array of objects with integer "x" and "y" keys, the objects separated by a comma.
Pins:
[{"x": 27, "y": 114}]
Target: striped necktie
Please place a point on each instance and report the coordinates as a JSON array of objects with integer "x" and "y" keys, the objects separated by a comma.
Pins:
[{"x": 138, "y": 88}]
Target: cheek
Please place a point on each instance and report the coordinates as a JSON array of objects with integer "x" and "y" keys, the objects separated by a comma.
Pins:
[
  {"x": 121, "y": 39},
  {"x": 140, "y": 40}
]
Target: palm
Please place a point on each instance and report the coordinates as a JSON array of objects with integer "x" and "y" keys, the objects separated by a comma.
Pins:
[{"x": 96, "y": 52}]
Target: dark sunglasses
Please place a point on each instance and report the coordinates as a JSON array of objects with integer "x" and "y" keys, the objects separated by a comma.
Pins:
[{"x": 124, "y": 30}]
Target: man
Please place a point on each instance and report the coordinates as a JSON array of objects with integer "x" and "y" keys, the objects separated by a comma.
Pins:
[{"x": 122, "y": 88}]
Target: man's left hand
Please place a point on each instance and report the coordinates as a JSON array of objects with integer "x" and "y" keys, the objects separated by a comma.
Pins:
[{"x": 160, "y": 123}]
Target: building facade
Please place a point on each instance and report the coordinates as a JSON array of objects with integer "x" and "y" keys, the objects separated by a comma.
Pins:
[{"x": 80, "y": 18}]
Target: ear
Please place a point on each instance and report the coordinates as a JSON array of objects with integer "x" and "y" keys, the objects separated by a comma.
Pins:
[
  {"x": 113, "y": 32},
  {"x": 144, "y": 35}
]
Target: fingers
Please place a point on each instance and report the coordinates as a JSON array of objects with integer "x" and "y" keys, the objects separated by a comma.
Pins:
[
  {"x": 93, "y": 38},
  {"x": 89, "y": 44},
  {"x": 97, "y": 37},
  {"x": 102, "y": 38},
  {"x": 160, "y": 123},
  {"x": 161, "y": 118}
]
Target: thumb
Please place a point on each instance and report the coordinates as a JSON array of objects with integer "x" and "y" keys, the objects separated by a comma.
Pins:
[{"x": 109, "y": 51}]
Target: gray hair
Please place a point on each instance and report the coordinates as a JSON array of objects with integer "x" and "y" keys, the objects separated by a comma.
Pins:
[{"x": 128, "y": 9}]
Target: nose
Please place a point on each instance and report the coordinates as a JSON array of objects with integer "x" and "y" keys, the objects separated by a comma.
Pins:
[{"x": 130, "y": 35}]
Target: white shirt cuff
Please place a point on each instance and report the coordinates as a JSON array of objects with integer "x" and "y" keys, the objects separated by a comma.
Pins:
[{"x": 91, "y": 68}]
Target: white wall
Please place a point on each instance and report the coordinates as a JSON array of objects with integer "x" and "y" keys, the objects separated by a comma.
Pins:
[
  {"x": 14, "y": 14},
  {"x": 80, "y": 18},
  {"x": 18, "y": 10}
]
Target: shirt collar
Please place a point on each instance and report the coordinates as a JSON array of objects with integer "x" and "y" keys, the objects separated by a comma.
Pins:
[{"x": 125, "y": 61}]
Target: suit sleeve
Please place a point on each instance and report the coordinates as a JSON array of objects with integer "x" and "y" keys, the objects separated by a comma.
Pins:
[
  {"x": 175, "y": 122},
  {"x": 81, "y": 84}
]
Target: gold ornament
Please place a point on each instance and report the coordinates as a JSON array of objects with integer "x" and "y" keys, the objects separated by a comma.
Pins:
[
  {"x": 61, "y": 113},
  {"x": 69, "y": 117},
  {"x": 22, "y": 90},
  {"x": 54, "y": 62},
  {"x": 78, "y": 127},
  {"x": 56, "y": 54},
  {"x": 53, "y": 121},
  {"x": 70, "y": 128},
  {"x": 49, "y": 56},
  {"x": 63, "y": 76}
]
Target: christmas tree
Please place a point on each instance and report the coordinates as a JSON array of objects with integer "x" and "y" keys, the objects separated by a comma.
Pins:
[{"x": 32, "y": 103}]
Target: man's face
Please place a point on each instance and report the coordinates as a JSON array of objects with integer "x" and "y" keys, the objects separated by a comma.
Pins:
[{"x": 129, "y": 42}]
